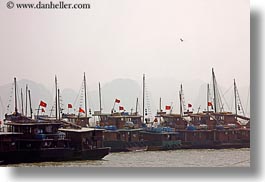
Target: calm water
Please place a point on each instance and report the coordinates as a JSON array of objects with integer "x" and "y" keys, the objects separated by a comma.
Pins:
[{"x": 174, "y": 158}]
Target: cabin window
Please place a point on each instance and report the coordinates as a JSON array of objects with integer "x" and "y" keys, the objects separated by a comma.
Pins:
[{"x": 48, "y": 129}]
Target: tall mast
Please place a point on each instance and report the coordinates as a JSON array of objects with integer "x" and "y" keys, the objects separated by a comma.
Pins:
[
  {"x": 26, "y": 100},
  {"x": 99, "y": 89},
  {"x": 15, "y": 82},
  {"x": 59, "y": 108},
  {"x": 207, "y": 106},
  {"x": 143, "y": 96},
  {"x": 180, "y": 99},
  {"x": 160, "y": 103},
  {"x": 22, "y": 109},
  {"x": 214, "y": 91},
  {"x": 136, "y": 107},
  {"x": 85, "y": 94},
  {"x": 235, "y": 97},
  {"x": 56, "y": 106},
  {"x": 30, "y": 105}
]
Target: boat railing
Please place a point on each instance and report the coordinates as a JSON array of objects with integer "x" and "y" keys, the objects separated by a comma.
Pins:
[{"x": 43, "y": 136}]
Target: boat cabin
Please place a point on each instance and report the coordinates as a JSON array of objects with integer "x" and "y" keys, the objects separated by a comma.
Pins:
[
  {"x": 120, "y": 120},
  {"x": 172, "y": 120},
  {"x": 78, "y": 120},
  {"x": 84, "y": 138}
]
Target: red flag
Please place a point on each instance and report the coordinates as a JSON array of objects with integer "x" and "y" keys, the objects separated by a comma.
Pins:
[
  {"x": 210, "y": 104},
  {"x": 81, "y": 110},
  {"x": 43, "y": 104},
  {"x": 42, "y": 110},
  {"x": 121, "y": 108},
  {"x": 189, "y": 105},
  {"x": 168, "y": 107},
  {"x": 117, "y": 100},
  {"x": 70, "y": 106}
]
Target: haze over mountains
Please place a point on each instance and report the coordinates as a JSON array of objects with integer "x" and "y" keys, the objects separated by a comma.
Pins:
[{"x": 126, "y": 90}]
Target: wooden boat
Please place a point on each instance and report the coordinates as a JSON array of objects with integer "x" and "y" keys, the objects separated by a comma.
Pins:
[
  {"x": 45, "y": 139},
  {"x": 211, "y": 128},
  {"x": 161, "y": 139},
  {"x": 37, "y": 141},
  {"x": 122, "y": 131}
]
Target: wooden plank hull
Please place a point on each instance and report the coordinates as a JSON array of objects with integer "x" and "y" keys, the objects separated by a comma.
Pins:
[{"x": 52, "y": 155}]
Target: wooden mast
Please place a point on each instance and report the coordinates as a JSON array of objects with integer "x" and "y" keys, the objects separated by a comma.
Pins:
[
  {"x": 160, "y": 104},
  {"x": 143, "y": 96},
  {"x": 99, "y": 89},
  {"x": 56, "y": 99},
  {"x": 85, "y": 94},
  {"x": 22, "y": 109},
  {"x": 30, "y": 105},
  {"x": 235, "y": 97},
  {"x": 214, "y": 91},
  {"x": 207, "y": 106},
  {"x": 15, "y": 82},
  {"x": 26, "y": 101},
  {"x": 59, "y": 108},
  {"x": 136, "y": 107},
  {"x": 180, "y": 101}
]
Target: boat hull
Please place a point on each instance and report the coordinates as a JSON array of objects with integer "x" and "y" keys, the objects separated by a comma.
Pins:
[{"x": 52, "y": 155}]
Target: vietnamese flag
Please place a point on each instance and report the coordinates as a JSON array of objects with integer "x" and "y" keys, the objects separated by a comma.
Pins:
[
  {"x": 210, "y": 104},
  {"x": 81, "y": 110},
  {"x": 70, "y": 106},
  {"x": 42, "y": 110},
  {"x": 189, "y": 105},
  {"x": 168, "y": 107},
  {"x": 121, "y": 108},
  {"x": 43, "y": 104},
  {"x": 117, "y": 100}
]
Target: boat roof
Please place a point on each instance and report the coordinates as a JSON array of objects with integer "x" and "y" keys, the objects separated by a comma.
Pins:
[
  {"x": 169, "y": 115},
  {"x": 125, "y": 116},
  {"x": 10, "y": 133},
  {"x": 32, "y": 123},
  {"x": 159, "y": 133},
  {"x": 74, "y": 116},
  {"x": 125, "y": 130},
  {"x": 82, "y": 130}
]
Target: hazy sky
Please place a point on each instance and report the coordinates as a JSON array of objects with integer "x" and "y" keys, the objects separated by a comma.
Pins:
[{"x": 126, "y": 38}]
